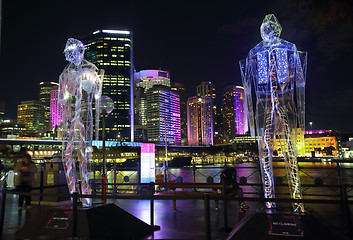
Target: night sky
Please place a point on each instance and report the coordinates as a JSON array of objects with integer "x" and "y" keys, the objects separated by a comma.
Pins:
[{"x": 193, "y": 40}]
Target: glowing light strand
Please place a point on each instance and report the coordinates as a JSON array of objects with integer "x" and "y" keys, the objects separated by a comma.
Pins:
[
  {"x": 275, "y": 68},
  {"x": 77, "y": 77}
]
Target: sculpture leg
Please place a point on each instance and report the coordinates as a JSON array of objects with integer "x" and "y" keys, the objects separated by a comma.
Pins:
[
  {"x": 86, "y": 202},
  {"x": 69, "y": 160},
  {"x": 291, "y": 162},
  {"x": 266, "y": 159}
]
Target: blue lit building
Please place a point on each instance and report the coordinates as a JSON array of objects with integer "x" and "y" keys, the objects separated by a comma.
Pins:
[{"x": 163, "y": 115}]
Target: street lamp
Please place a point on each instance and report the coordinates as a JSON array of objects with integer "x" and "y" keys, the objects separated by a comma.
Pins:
[
  {"x": 106, "y": 107},
  {"x": 311, "y": 125}
]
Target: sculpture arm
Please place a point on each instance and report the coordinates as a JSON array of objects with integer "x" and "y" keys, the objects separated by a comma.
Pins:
[
  {"x": 246, "y": 79},
  {"x": 97, "y": 97},
  {"x": 62, "y": 88},
  {"x": 301, "y": 63}
]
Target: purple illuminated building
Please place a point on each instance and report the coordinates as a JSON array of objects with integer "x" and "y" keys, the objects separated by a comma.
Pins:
[
  {"x": 200, "y": 121},
  {"x": 241, "y": 121},
  {"x": 234, "y": 117},
  {"x": 56, "y": 109},
  {"x": 163, "y": 115}
]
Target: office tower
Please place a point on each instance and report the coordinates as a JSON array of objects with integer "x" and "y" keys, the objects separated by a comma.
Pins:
[
  {"x": 32, "y": 114},
  {"x": 140, "y": 115},
  {"x": 234, "y": 117},
  {"x": 143, "y": 81},
  {"x": 241, "y": 120},
  {"x": 163, "y": 115},
  {"x": 56, "y": 110},
  {"x": 200, "y": 120},
  {"x": 206, "y": 89},
  {"x": 44, "y": 96},
  {"x": 148, "y": 78},
  {"x": 180, "y": 89},
  {"x": 2, "y": 111},
  {"x": 209, "y": 89},
  {"x": 228, "y": 113},
  {"x": 111, "y": 50}
]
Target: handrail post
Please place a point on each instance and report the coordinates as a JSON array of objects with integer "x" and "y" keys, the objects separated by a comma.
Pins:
[
  {"x": 41, "y": 182},
  {"x": 152, "y": 211},
  {"x": 346, "y": 209},
  {"x": 115, "y": 187},
  {"x": 74, "y": 214},
  {"x": 2, "y": 216},
  {"x": 207, "y": 216}
]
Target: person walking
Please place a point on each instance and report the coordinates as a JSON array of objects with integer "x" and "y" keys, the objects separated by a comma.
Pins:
[{"x": 25, "y": 180}]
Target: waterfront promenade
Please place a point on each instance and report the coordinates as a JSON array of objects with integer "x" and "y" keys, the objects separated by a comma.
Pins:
[{"x": 188, "y": 220}]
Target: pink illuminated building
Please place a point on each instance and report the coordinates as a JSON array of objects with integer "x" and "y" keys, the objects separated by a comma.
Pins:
[
  {"x": 200, "y": 121},
  {"x": 56, "y": 110}
]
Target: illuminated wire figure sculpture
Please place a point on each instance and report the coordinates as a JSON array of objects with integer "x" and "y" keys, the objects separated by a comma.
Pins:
[
  {"x": 277, "y": 71},
  {"x": 79, "y": 83}
]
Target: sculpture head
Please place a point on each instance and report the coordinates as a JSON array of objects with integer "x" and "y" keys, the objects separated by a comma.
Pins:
[
  {"x": 270, "y": 29},
  {"x": 74, "y": 51}
]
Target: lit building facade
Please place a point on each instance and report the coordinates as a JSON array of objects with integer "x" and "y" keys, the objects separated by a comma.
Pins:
[
  {"x": 56, "y": 110},
  {"x": 200, "y": 121},
  {"x": 180, "y": 89},
  {"x": 112, "y": 51},
  {"x": 143, "y": 81},
  {"x": 44, "y": 96},
  {"x": 234, "y": 117},
  {"x": 322, "y": 143},
  {"x": 2, "y": 111},
  {"x": 32, "y": 115},
  {"x": 163, "y": 116},
  {"x": 297, "y": 134},
  {"x": 206, "y": 89}
]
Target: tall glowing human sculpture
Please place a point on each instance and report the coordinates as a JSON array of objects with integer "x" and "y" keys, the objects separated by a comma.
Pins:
[
  {"x": 80, "y": 84},
  {"x": 277, "y": 71}
]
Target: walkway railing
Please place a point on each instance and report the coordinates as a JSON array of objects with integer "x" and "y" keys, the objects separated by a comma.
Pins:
[{"x": 206, "y": 197}]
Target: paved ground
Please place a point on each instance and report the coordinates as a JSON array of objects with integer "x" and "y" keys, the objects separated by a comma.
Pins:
[{"x": 187, "y": 222}]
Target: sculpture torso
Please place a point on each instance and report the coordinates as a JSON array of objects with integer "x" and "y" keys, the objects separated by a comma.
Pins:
[{"x": 278, "y": 61}]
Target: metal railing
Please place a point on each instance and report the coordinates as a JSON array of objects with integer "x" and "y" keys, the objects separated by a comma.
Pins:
[{"x": 206, "y": 197}]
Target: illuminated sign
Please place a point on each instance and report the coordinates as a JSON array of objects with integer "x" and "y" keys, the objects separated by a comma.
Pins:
[
  {"x": 148, "y": 163},
  {"x": 115, "y": 31}
]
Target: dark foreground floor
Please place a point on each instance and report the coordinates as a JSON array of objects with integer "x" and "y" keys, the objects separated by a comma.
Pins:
[{"x": 187, "y": 222}]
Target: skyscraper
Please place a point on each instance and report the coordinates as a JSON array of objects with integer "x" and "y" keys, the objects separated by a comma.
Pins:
[
  {"x": 56, "y": 109},
  {"x": 200, "y": 120},
  {"x": 163, "y": 115},
  {"x": 2, "y": 111},
  {"x": 32, "y": 114},
  {"x": 208, "y": 89},
  {"x": 180, "y": 89},
  {"x": 143, "y": 81},
  {"x": 111, "y": 50},
  {"x": 241, "y": 121},
  {"x": 228, "y": 113},
  {"x": 44, "y": 96},
  {"x": 234, "y": 117}
]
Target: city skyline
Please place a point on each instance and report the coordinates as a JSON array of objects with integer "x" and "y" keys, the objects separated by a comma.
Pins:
[{"x": 195, "y": 42}]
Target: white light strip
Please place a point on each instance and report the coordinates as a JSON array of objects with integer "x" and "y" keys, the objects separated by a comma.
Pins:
[
  {"x": 116, "y": 31},
  {"x": 96, "y": 32}
]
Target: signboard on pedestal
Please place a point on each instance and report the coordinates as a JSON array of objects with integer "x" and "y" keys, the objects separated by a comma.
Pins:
[
  {"x": 148, "y": 163},
  {"x": 285, "y": 225}
]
